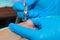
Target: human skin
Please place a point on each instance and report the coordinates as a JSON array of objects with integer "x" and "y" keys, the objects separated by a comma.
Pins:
[
  {"x": 27, "y": 24},
  {"x": 7, "y": 34}
]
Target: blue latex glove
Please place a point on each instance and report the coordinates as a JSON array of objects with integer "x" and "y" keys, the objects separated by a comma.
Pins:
[
  {"x": 19, "y": 6},
  {"x": 42, "y": 14},
  {"x": 42, "y": 8},
  {"x": 50, "y": 29}
]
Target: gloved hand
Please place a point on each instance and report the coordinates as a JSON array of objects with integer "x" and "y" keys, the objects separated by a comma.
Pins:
[
  {"x": 19, "y": 7},
  {"x": 50, "y": 29},
  {"x": 39, "y": 7},
  {"x": 50, "y": 25}
]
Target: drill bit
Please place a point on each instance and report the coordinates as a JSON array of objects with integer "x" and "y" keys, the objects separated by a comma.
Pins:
[{"x": 17, "y": 20}]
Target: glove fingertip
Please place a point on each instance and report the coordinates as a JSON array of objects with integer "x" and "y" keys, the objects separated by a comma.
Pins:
[{"x": 10, "y": 26}]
